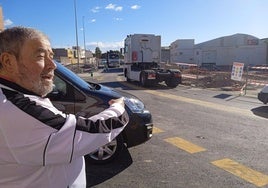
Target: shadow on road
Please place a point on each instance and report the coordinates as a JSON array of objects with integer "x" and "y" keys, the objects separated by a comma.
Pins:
[
  {"x": 261, "y": 111},
  {"x": 222, "y": 96},
  {"x": 133, "y": 85},
  {"x": 116, "y": 84},
  {"x": 97, "y": 174}
]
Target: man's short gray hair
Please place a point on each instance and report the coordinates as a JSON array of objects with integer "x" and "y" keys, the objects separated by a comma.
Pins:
[{"x": 12, "y": 39}]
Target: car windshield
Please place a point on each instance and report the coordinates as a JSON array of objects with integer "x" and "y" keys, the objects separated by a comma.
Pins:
[{"x": 72, "y": 76}]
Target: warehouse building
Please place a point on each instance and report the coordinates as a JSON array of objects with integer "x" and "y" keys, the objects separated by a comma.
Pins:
[
  {"x": 182, "y": 51},
  {"x": 165, "y": 54},
  {"x": 222, "y": 51}
]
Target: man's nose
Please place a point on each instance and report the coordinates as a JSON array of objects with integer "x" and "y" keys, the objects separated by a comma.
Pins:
[{"x": 50, "y": 63}]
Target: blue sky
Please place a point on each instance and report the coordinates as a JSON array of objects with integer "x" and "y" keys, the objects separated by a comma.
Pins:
[{"x": 108, "y": 22}]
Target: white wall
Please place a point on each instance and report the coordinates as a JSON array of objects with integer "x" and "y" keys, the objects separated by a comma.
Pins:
[{"x": 182, "y": 51}]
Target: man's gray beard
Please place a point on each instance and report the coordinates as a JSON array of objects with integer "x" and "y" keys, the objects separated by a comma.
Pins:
[
  {"x": 43, "y": 89},
  {"x": 38, "y": 86}
]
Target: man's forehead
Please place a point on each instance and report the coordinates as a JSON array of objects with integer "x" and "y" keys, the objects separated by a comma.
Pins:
[{"x": 38, "y": 44}]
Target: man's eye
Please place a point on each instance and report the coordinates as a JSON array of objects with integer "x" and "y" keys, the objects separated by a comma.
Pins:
[{"x": 41, "y": 55}]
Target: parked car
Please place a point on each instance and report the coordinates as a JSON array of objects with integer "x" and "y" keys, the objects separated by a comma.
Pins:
[
  {"x": 72, "y": 94},
  {"x": 263, "y": 95}
]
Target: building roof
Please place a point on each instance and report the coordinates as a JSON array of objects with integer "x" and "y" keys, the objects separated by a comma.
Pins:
[{"x": 231, "y": 40}]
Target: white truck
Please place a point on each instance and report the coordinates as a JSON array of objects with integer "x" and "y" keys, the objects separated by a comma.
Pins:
[
  {"x": 113, "y": 59},
  {"x": 142, "y": 58}
]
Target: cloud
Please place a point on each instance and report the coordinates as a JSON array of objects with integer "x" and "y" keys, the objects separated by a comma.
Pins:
[
  {"x": 105, "y": 46},
  {"x": 8, "y": 22},
  {"x": 114, "y": 7},
  {"x": 118, "y": 8},
  {"x": 110, "y": 6},
  {"x": 118, "y": 19},
  {"x": 93, "y": 20},
  {"x": 95, "y": 9},
  {"x": 135, "y": 7}
]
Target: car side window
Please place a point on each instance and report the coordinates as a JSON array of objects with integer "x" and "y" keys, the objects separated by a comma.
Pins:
[
  {"x": 60, "y": 85},
  {"x": 63, "y": 91}
]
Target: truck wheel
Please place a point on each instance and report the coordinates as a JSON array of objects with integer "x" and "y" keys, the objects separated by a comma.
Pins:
[
  {"x": 172, "y": 83},
  {"x": 127, "y": 78},
  {"x": 143, "y": 79}
]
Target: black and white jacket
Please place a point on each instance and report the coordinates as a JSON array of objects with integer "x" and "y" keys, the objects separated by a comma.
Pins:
[{"x": 42, "y": 147}]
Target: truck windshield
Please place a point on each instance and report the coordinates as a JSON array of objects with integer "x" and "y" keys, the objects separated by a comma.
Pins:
[{"x": 113, "y": 56}]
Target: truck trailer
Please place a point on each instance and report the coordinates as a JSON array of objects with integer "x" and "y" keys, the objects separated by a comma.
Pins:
[{"x": 142, "y": 58}]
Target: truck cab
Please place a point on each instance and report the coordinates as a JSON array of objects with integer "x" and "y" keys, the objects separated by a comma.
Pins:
[{"x": 142, "y": 53}]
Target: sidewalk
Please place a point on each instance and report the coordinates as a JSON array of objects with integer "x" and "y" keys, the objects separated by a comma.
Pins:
[
  {"x": 250, "y": 90},
  {"x": 91, "y": 76}
]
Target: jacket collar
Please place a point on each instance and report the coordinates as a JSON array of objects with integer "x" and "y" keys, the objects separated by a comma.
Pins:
[{"x": 15, "y": 87}]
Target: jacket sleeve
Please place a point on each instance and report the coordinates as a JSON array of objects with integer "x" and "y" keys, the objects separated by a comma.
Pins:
[
  {"x": 85, "y": 135},
  {"x": 36, "y": 133}
]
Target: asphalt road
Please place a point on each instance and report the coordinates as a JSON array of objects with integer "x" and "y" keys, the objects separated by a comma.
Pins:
[{"x": 202, "y": 138}]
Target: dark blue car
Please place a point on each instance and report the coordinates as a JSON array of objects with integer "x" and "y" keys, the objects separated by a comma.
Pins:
[{"x": 72, "y": 94}]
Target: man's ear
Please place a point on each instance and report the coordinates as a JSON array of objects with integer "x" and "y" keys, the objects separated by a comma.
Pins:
[{"x": 8, "y": 61}]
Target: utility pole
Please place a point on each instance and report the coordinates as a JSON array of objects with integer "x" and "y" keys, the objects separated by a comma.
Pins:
[
  {"x": 77, "y": 49},
  {"x": 1, "y": 19},
  {"x": 84, "y": 37}
]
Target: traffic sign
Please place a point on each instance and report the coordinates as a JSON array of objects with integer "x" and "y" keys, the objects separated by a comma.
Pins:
[{"x": 237, "y": 71}]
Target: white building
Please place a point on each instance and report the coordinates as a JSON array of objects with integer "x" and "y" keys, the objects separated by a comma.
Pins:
[
  {"x": 182, "y": 51},
  {"x": 165, "y": 54},
  {"x": 242, "y": 48},
  {"x": 222, "y": 51}
]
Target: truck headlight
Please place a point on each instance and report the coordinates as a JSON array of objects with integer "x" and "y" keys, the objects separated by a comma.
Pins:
[{"x": 135, "y": 105}]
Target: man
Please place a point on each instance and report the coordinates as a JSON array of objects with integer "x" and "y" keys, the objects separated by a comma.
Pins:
[{"x": 40, "y": 146}]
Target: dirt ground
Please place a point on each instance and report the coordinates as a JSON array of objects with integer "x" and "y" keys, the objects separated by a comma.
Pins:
[
  {"x": 212, "y": 79},
  {"x": 219, "y": 79}
]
